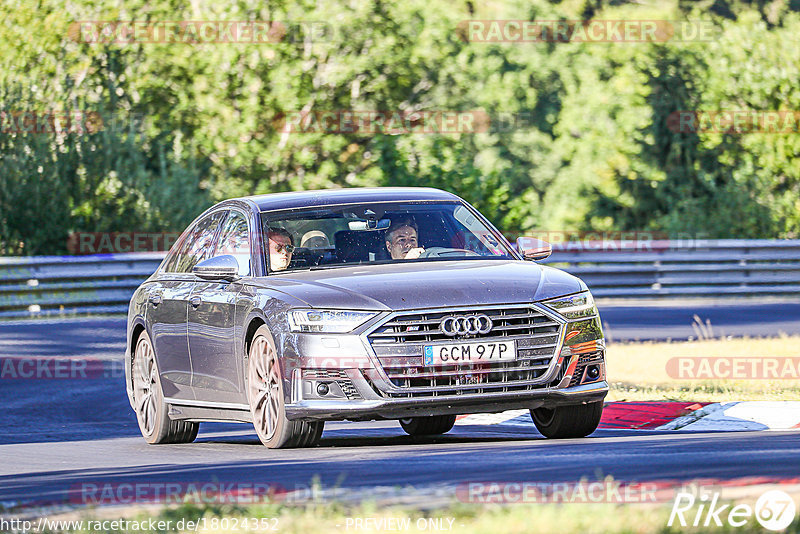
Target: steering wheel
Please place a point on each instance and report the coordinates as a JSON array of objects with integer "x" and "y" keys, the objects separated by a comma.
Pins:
[{"x": 443, "y": 252}]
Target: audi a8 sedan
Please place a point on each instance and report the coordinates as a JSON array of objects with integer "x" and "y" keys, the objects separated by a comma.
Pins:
[{"x": 291, "y": 309}]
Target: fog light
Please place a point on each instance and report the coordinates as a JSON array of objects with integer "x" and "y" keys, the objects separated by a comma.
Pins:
[
  {"x": 593, "y": 372},
  {"x": 322, "y": 389}
]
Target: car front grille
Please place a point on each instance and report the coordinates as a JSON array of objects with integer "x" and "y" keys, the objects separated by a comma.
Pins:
[{"x": 399, "y": 343}]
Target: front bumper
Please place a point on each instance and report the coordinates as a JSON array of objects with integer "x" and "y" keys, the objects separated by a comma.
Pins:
[
  {"x": 366, "y": 409},
  {"x": 340, "y": 377}
]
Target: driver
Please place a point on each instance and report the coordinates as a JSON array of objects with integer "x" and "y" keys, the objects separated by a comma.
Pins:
[
  {"x": 401, "y": 240},
  {"x": 281, "y": 246}
]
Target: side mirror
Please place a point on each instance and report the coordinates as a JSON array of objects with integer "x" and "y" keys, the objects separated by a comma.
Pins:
[
  {"x": 533, "y": 248},
  {"x": 223, "y": 267}
]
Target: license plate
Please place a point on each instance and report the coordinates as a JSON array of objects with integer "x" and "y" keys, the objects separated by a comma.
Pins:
[{"x": 460, "y": 353}]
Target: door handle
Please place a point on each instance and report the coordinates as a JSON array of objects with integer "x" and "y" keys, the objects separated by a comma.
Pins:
[
  {"x": 154, "y": 298},
  {"x": 195, "y": 301}
]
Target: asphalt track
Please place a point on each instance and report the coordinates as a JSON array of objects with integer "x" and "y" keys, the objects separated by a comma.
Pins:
[
  {"x": 369, "y": 455},
  {"x": 57, "y": 435}
]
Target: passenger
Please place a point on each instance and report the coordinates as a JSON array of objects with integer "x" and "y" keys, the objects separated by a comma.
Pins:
[
  {"x": 315, "y": 239},
  {"x": 281, "y": 246},
  {"x": 401, "y": 240}
]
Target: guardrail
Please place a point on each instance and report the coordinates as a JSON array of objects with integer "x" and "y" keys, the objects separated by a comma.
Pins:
[
  {"x": 708, "y": 268},
  {"x": 69, "y": 285},
  {"x": 103, "y": 284}
]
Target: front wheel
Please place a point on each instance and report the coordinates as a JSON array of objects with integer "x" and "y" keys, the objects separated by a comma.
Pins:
[
  {"x": 576, "y": 421},
  {"x": 265, "y": 395},
  {"x": 428, "y": 426}
]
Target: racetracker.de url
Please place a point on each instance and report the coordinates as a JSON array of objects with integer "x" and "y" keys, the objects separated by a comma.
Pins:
[{"x": 43, "y": 524}]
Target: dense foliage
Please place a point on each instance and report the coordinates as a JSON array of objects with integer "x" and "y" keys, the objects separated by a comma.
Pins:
[{"x": 580, "y": 139}]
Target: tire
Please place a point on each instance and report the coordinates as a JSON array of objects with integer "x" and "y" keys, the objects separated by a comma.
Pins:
[
  {"x": 265, "y": 395},
  {"x": 148, "y": 400},
  {"x": 576, "y": 421},
  {"x": 429, "y": 425}
]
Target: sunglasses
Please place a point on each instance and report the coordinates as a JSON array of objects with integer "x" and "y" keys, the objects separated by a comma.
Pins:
[{"x": 287, "y": 248}]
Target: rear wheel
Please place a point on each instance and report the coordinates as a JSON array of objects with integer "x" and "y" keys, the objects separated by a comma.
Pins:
[
  {"x": 265, "y": 395},
  {"x": 148, "y": 400},
  {"x": 429, "y": 425},
  {"x": 576, "y": 421}
]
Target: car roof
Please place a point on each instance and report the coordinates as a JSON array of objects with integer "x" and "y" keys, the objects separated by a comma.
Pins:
[{"x": 330, "y": 197}]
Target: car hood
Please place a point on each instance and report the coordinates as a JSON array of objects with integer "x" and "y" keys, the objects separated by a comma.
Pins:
[{"x": 406, "y": 286}]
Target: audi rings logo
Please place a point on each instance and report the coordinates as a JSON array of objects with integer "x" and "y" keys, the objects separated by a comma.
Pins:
[{"x": 469, "y": 324}]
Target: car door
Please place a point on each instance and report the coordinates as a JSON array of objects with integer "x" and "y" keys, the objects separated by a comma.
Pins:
[
  {"x": 217, "y": 372},
  {"x": 167, "y": 308}
]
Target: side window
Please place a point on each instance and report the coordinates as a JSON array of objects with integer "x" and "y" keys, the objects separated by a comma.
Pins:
[
  {"x": 172, "y": 257},
  {"x": 198, "y": 244},
  {"x": 474, "y": 235},
  {"x": 235, "y": 240}
]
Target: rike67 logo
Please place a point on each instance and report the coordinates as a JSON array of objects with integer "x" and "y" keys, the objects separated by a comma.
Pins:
[{"x": 774, "y": 510}]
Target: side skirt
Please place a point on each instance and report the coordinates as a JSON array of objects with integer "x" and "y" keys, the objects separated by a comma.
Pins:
[{"x": 178, "y": 411}]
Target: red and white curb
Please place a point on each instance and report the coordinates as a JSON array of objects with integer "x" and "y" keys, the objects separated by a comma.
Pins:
[
  {"x": 696, "y": 416},
  {"x": 747, "y": 415}
]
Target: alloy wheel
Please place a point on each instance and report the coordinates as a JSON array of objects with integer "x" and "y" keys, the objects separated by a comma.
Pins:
[
  {"x": 144, "y": 386},
  {"x": 264, "y": 385}
]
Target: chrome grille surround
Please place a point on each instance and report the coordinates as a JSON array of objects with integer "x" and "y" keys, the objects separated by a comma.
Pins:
[{"x": 397, "y": 344}]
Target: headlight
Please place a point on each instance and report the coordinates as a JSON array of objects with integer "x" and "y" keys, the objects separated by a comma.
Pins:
[
  {"x": 330, "y": 321},
  {"x": 573, "y": 306}
]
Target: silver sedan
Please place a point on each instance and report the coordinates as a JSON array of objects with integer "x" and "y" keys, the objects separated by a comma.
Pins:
[{"x": 292, "y": 309}]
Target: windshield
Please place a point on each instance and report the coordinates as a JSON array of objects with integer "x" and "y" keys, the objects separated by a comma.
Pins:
[{"x": 318, "y": 238}]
